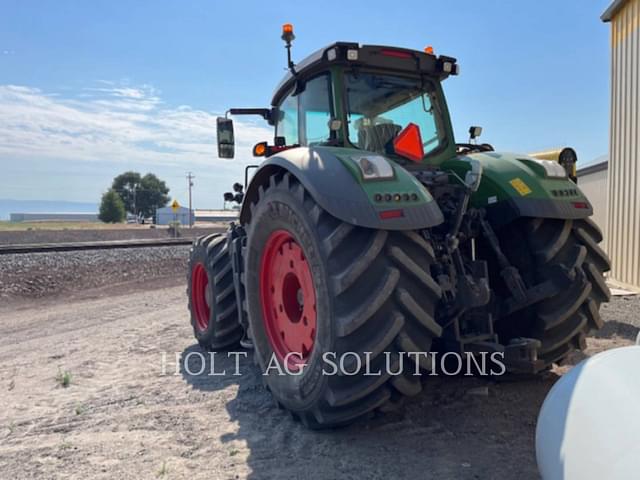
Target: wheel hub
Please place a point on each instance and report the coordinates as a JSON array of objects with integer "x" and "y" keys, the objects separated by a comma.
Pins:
[
  {"x": 200, "y": 296},
  {"x": 288, "y": 299}
]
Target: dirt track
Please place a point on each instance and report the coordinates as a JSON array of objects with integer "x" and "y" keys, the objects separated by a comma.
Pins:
[{"x": 121, "y": 418}]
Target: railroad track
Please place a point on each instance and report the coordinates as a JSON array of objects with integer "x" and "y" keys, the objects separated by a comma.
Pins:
[{"x": 101, "y": 245}]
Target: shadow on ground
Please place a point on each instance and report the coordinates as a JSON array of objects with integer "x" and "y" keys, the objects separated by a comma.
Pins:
[
  {"x": 456, "y": 429},
  {"x": 613, "y": 328}
]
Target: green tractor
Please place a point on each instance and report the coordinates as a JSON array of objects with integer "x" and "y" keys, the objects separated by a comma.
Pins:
[{"x": 368, "y": 236}]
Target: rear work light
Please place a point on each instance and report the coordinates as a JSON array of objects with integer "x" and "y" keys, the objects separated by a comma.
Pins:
[{"x": 373, "y": 167}]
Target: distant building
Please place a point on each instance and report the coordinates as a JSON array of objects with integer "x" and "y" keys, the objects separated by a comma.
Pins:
[
  {"x": 166, "y": 215},
  {"x": 592, "y": 180},
  {"x": 53, "y": 217},
  {"x": 623, "y": 184},
  {"x": 216, "y": 215}
]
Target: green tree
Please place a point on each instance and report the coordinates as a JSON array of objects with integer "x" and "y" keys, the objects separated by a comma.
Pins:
[
  {"x": 141, "y": 195},
  {"x": 111, "y": 208},
  {"x": 153, "y": 195},
  {"x": 128, "y": 187}
]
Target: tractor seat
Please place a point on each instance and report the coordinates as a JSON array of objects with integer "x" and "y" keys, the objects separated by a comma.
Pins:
[{"x": 376, "y": 138}]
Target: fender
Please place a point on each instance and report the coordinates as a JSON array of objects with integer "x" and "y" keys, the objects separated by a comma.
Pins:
[
  {"x": 336, "y": 184},
  {"x": 514, "y": 186}
]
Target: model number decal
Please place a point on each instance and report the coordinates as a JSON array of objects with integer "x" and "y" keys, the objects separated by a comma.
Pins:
[{"x": 520, "y": 187}]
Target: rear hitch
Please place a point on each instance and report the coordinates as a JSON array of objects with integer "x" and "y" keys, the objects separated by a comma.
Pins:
[
  {"x": 508, "y": 272},
  {"x": 521, "y": 355}
]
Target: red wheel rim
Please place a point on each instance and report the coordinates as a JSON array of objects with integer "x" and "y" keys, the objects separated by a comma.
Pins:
[
  {"x": 200, "y": 296},
  {"x": 288, "y": 299}
]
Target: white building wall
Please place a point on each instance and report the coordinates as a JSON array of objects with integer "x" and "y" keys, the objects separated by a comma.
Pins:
[
  {"x": 623, "y": 229},
  {"x": 593, "y": 183}
]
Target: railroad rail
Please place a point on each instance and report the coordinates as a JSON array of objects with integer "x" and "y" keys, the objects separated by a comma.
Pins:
[{"x": 99, "y": 245}]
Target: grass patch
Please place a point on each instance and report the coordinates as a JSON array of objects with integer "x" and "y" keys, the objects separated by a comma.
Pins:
[
  {"x": 163, "y": 470},
  {"x": 63, "y": 378}
]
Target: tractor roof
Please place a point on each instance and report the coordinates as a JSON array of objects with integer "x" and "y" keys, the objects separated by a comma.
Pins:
[{"x": 393, "y": 59}]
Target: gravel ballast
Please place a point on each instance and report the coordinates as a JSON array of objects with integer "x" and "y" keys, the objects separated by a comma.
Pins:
[
  {"x": 89, "y": 235},
  {"x": 38, "y": 275}
]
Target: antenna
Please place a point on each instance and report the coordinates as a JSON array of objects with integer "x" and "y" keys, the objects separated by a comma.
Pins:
[{"x": 288, "y": 37}]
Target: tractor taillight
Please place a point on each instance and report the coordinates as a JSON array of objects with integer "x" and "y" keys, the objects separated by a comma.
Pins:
[
  {"x": 582, "y": 205},
  {"x": 389, "y": 214}
]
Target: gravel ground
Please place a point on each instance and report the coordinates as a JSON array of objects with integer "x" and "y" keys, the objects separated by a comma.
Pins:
[
  {"x": 111, "y": 318},
  {"x": 623, "y": 315},
  {"x": 92, "y": 235},
  {"x": 37, "y": 275},
  {"x": 121, "y": 417}
]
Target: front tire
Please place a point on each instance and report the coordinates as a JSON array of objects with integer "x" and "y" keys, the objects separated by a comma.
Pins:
[{"x": 335, "y": 291}]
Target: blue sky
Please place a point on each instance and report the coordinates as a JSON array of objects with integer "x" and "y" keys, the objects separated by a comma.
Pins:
[{"x": 90, "y": 89}]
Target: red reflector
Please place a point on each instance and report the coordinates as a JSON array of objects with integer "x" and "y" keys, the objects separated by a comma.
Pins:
[
  {"x": 388, "y": 214},
  {"x": 580, "y": 205},
  {"x": 408, "y": 143},
  {"x": 395, "y": 53}
]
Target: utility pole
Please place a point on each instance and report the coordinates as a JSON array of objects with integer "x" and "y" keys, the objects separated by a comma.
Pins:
[
  {"x": 190, "y": 178},
  {"x": 134, "y": 203}
]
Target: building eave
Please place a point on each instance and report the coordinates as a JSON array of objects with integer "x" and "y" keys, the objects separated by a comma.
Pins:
[
  {"x": 613, "y": 9},
  {"x": 598, "y": 167}
]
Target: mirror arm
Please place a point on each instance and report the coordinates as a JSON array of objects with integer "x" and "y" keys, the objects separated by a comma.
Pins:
[{"x": 266, "y": 113}]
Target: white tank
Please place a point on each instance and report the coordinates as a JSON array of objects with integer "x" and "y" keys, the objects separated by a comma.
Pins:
[{"x": 589, "y": 424}]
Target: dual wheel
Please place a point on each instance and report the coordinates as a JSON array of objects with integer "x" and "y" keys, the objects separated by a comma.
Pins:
[
  {"x": 211, "y": 294},
  {"x": 330, "y": 303}
]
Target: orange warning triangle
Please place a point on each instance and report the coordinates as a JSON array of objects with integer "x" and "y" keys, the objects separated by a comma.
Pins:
[{"x": 408, "y": 143}]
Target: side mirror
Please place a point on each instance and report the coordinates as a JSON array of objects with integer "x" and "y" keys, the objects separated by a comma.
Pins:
[
  {"x": 226, "y": 142},
  {"x": 474, "y": 132}
]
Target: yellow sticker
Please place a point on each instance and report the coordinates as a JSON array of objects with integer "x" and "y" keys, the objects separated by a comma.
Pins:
[{"x": 520, "y": 187}]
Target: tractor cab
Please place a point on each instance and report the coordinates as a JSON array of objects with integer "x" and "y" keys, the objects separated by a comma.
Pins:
[{"x": 385, "y": 100}]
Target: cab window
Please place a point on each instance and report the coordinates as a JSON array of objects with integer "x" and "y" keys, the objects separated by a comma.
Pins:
[
  {"x": 287, "y": 125},
  {"x": 304, "y": 118},
  {"x": 315, "y": 111}
]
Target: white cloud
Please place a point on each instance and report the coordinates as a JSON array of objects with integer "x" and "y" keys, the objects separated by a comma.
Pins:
[{"x": 113, "y": 123}]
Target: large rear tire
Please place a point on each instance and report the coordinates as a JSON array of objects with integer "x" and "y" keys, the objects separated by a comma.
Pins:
[
  {"x": 562, "y": 321},
  {"x": 212, "y": 298},
  {"x": 322, "y": 288}
]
